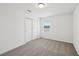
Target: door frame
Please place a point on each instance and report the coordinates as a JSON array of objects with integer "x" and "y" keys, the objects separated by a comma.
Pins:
[{"x": 31, "y": 28}]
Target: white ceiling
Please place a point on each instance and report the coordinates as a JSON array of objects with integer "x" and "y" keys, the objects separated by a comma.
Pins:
[{"x": 50, "y": 9}]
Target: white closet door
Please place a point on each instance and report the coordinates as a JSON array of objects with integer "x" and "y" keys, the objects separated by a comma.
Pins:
[{"x": 28, "y": 30}]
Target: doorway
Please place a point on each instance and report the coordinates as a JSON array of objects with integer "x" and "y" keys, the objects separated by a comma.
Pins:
[{"x": 28, "y": 29}]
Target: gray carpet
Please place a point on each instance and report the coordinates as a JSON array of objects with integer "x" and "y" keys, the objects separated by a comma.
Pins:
[{"x": 43, "y": 47}]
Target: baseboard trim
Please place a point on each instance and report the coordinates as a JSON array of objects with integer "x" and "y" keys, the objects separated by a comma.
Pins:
[
  {"x": 55, "y": 40},
  {"x": 12, "y": 49}
]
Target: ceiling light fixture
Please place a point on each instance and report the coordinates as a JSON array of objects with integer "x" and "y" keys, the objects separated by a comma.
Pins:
[{"x": 41, "y": 5}]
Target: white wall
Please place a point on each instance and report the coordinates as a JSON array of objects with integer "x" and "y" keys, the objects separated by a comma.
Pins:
[
  {"x": 61, "y": 27},
  {"x": 36, "y": 28},
  {"x": 11, "y": 27},
  {"x": 76, "y": 28}
]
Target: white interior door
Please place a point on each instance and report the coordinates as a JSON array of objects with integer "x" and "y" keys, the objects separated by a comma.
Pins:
[{"x": 28, "y": 29}]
